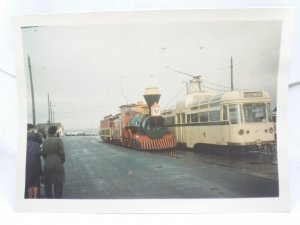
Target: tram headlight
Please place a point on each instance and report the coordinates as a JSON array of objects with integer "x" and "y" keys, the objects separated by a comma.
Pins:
[
  {"x": 271, "y": 129},
  {"x": 241, "y": 132}
]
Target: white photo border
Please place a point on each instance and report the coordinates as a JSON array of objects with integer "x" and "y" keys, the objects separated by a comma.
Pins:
[{"x": 281, "y": 203}]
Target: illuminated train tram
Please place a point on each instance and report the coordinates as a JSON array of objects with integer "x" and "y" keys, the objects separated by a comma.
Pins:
[
  {"x": 139, "y": 126},
  {"x": 232, "y": 120}
]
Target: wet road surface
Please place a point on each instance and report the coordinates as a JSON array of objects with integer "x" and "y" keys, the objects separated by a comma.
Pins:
[{"x": 95, "y": 170}]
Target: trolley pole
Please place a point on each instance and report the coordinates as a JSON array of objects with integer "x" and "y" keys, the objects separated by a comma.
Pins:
[
  {"x": 32, "y": 92},
  {"x": 231, "y": 73}
]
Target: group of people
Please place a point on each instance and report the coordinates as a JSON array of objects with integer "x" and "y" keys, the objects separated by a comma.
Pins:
[{"x": 51, "y": 150}]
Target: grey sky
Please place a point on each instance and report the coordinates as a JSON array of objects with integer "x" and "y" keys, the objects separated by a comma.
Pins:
[{"x": 89, "y": 71}]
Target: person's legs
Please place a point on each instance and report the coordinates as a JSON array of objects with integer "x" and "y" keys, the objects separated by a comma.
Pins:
[
  {"x": 48, "y": 190},
  {"x": 35, "y": 192},
  {"x": 58, "y": 190},
  {"x": 30, "y": 192}
]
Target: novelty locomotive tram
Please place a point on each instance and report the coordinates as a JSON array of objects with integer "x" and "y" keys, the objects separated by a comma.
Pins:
[
  {"x": 236, "y": 119},
  {"x": 138, "y": 126}
]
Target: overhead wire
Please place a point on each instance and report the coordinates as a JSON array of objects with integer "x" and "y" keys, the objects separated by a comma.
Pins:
[
  {"x": 123, "y": 93},
  {"x": 209, "y": 44},
  {"x": 175, "y": 97}
]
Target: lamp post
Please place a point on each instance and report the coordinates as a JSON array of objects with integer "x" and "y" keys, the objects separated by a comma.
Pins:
[
  {"x": 50, "y": 112},
  {"x": 32, "y": 92}
]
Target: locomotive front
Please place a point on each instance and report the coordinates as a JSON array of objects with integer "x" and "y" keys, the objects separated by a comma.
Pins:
[{"x": 149, "y": 131}]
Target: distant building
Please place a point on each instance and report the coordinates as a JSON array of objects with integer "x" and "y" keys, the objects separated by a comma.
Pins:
[{"x": 43, "y": 128}]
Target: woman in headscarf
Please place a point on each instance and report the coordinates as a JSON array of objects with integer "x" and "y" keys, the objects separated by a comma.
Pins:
[{"x": 54, "y": 172}]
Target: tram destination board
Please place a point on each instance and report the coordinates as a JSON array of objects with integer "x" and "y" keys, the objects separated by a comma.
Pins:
[{"x": 255, "y": 94}]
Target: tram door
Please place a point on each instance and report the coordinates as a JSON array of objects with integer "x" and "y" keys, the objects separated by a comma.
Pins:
[
  {"x": 180, "y": 117},
  {"x": 225, "y": 125}
]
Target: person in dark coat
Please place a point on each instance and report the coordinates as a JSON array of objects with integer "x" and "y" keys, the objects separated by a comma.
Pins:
[
  {"x": 54, "y": 172},
  {"x": 33, "y": 164},
  {"x": 33, "y": 135}
]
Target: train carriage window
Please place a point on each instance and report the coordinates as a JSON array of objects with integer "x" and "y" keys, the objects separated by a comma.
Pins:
[
  {"x": 188, "y": 118},
  {"x": 234, "y": 114},
  {"x": 178, "y": 118},
  {"x": 225, "y": 115},
  {"x": 214, "y": 104},
  {"x": 183, "y": 117},
  {"x": 203, "y": 106},
  {"x": 204, "y": 117},
  {"x": 214, "y": 115},
  {"x": 195, "y": 117},
  {"x": 216, "y": 98},
  {"x": 255, "y": 112},
  {"x": 170, "y": 120}
]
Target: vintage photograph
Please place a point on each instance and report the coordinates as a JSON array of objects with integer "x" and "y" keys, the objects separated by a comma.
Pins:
[{"x": 170, "y": 109}]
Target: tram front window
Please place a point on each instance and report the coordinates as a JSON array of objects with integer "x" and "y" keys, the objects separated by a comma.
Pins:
[{"x": 255, "y": 112}]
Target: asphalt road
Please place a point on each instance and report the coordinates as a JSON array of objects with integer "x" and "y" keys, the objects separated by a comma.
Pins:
[{"x": 95, "y": 170}]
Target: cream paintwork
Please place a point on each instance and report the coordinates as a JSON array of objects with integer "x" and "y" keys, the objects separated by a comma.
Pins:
[{"x": 222, "y": 134}]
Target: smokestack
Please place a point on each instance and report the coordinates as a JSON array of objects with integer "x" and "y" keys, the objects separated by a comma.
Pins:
[{"x": 151, "y": 95}]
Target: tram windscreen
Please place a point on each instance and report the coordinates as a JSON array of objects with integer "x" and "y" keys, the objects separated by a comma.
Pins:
[{"x": 255, "y": 112}]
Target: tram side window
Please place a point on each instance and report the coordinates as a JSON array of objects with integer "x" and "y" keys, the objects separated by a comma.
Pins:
[
  {"x": 183, "y": 117},
  {"x": 225, "y": 115},
  {"x": 178, "y": 119},
  {"x": 204, "y": 117},
  {"x": 234, "y": 114},
  {"x": 188, "y": 118},
  {"x": 214, "y": 115},
  {"x": 194, "y": 117},
  {"x": 170, "y": 120}
]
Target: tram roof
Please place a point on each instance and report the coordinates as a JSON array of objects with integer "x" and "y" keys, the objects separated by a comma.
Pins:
[
  {"x": 228, "y": 96},
  {"x": 197, "y": 99}
]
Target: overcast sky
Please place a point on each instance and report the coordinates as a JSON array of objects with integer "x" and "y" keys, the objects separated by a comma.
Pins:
[{"x": 89, "y": 71}]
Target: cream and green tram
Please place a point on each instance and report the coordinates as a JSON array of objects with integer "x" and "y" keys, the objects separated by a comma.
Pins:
[{"x": 237, "y": 118}]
